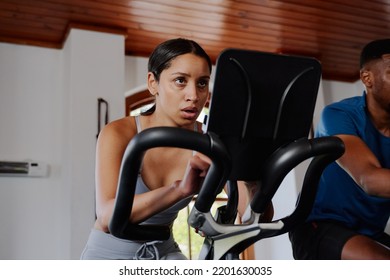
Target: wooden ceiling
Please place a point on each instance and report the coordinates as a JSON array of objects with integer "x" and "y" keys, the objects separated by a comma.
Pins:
[{"x": 333, "y": 31}]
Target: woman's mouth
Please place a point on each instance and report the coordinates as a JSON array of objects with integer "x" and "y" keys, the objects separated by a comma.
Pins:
[{"x": 190, "y": 112}]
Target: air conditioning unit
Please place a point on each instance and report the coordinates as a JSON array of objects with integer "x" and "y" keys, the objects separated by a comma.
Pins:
[{"x": 23, "y": 168}]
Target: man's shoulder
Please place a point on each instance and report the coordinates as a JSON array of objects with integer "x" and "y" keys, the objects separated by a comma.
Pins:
[
  {"x": 348, "y": 102},
  {"x": 352, "y": 105}
]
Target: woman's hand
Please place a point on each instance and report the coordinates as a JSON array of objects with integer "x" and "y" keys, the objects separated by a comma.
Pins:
[{"x": 196, "y": 171}]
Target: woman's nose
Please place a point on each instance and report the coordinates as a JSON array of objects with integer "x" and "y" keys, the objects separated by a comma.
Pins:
[{"x": 192, "y": 94}]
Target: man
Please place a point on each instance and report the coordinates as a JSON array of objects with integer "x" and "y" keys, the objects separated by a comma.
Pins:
[{"x": 352, "y": 205}]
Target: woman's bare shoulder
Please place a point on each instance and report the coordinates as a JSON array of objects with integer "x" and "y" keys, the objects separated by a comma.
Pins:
[{"x": 120, "y": 130}]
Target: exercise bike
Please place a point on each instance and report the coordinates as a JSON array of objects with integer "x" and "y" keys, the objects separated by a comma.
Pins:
[{"x": 258, "y": 128}]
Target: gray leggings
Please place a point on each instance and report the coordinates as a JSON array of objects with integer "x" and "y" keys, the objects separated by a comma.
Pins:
[{"x": 104, "y": 246}]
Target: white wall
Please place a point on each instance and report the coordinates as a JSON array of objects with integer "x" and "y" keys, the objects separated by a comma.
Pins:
[
  {"x": 94, "y": 69},
  {"x": 48, "y": 112},
  {"x": 30, "y": 122},
  {"x": 135, "y": 72}
]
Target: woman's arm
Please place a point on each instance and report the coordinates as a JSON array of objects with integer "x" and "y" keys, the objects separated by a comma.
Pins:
[
  {"x": 111, "y": 144},
  {"x": 147, "y": 204},
  {"x": 110, "y": 149}
]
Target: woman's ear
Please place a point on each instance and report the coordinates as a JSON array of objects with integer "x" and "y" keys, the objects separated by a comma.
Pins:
[{"x": 152, "y": 84}]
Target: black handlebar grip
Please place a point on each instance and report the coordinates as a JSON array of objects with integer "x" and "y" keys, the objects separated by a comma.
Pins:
[
  {"x": 283, "y": 160},
  {"x": 207, "y": 144}
]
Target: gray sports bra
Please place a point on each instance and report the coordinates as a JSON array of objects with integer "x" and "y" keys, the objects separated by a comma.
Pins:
[{"x": 167, "y": 216}]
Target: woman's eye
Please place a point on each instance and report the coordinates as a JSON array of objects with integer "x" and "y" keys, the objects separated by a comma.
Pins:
[
  {"x": 203, "y": 83},
  {"x": 180, "y": 81}
]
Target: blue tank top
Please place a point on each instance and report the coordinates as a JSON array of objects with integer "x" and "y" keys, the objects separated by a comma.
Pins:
[
  {"x": 167, "y": 216},
  {"x": 339, "y": 197}
]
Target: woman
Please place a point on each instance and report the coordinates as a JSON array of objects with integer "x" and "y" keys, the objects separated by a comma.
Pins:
[{"x": 178, "y": 76}]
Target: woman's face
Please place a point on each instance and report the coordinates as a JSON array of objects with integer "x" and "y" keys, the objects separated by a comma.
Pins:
[{"x": 182, "y": 91}]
